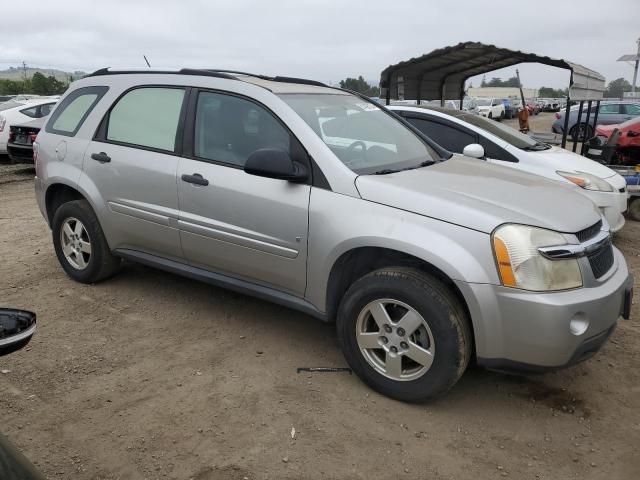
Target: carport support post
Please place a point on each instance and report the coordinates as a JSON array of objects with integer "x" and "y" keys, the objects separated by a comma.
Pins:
[
  {"x": 595, "y": 116},
  {"x": 584, "y": 140},
  {"x": 566, "y": 124},
  {"x": 577, "y": 128}
]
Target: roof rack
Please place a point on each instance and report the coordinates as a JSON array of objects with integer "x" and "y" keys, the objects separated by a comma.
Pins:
[
  {"x": 278, "y": 78},
  {"x": 184, "y": 71},
  {"x": 229, "y": 74}
]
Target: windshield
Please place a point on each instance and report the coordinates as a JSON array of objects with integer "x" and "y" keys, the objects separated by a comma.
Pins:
[
  {"x": 483, "y": 102},
  {"x": 508, "y": 134},
  {"x": 364, "y": 137}
]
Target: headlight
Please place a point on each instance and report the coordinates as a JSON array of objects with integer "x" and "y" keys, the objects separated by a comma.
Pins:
[
  {"x": 521, "y": 265},
  {"x": 587, "y": 181}
]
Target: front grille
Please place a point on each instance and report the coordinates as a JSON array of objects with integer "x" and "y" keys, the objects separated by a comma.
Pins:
[
  {"x": 601, "y": 260},
  {"x": 589, "y": 232}
]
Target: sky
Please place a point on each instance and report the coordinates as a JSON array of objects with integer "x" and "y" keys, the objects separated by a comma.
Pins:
[{"x": 323, "y": 40}]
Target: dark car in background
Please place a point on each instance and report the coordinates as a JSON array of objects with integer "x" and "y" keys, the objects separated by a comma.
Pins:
[
  {"x": 608, "y": 114},
  {"x": 21, "y": 138},
  {"x": 509, "y": 109}
]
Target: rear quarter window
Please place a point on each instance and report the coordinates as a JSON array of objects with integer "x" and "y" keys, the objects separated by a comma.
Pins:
[{"x": 74, "y": 110}]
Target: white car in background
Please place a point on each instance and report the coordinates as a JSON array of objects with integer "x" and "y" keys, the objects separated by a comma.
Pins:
[
  {"x": 21, "y": 112},
  {"x": 474, "y": 136},
  {"x": 490, "y": 108}
]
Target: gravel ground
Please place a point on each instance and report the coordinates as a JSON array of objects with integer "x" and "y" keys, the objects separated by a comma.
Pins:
[{"x": 149, "y": 375}]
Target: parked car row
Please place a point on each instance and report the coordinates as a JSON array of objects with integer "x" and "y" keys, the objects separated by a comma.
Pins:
[
  {"x": 17, "y": 112},
  {"x": 609, "y": 113},
  {"x": 327, "y": 202}
]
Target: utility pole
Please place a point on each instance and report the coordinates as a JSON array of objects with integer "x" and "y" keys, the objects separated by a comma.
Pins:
[
  {"x": 633, "y": 58},
  {"x": 635, "y": 70},
  {"x": 24, "y": 71}
]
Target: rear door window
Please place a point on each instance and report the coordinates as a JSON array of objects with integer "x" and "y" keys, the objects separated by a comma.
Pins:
[
  {"x": 610, "y": 108},
  {"x": 30, "y": 112},
  {"x": 631, "y": 109},
  {"x": 147, "y": 117},
  {"x": 74, "y": 110},
  {"x": 452, "y": 138}
]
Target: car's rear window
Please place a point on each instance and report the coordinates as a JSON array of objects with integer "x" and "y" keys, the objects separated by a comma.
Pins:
[{"x": 73, "y": 110}]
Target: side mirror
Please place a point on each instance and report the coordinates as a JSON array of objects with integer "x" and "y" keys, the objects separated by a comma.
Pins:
[
  {"x": 474, "y": 150},
  {"x": 275, "y": 163},
  {"x": 16, "y": 329}
]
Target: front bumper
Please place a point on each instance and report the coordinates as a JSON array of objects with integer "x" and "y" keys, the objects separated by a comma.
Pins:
[
  {"x": 612, "y": 205},
  {"x": 528, "y": 331}
]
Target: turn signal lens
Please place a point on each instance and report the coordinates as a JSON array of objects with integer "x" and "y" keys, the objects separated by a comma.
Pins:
[{"x": 504, "y": 263}]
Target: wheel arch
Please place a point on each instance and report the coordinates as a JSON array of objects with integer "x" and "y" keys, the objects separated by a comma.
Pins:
[
  {"x": 359, "y": 261},
  {"x": 58, "y": 194}
]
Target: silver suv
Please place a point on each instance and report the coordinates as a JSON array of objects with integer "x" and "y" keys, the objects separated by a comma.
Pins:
[{"x": 321, "y": 200}]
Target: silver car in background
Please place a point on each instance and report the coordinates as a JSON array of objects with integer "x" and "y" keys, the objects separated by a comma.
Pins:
[{"x": 323, "y": 201}]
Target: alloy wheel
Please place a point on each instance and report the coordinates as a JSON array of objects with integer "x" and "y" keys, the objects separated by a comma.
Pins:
[
  {"x": 75, "y": 242},
  {"x": 395, "y": 339}
]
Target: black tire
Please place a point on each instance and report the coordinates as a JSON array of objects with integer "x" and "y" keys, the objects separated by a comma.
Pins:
[
  {"x": 434, "y": 301},
  {"x": 575, "y": 135},
  {"x": 634, "y": 209},
  {"x": 101, "y": 264},
  {"x": 490, "y": 115}
]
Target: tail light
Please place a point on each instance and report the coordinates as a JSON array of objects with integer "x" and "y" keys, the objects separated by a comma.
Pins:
[
  {"x": 558, "y": 116},
  {"x": 33, "y": 137},
  {"x": 12, "y": 136}
]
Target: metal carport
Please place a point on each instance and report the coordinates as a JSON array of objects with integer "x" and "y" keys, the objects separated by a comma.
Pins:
[{"x": 441, "y": 75}]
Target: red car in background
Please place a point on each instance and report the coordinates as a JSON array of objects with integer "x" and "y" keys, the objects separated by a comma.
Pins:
[{"x": 628, "y": 146}]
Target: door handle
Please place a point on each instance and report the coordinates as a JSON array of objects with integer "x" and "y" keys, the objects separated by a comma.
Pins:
[
  {"x": 101, "y": 157},
  {"x": 196, "y": 179}
]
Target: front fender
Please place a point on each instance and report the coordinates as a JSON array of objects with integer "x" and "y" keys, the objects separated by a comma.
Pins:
[{"x": 338, "y": 224}]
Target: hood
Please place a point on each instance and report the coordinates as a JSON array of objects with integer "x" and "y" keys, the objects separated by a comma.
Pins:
[
  {"x": 561, "y": 159},
  {"x": 481, "y": 196},
  {"x": 608, "y": 129}
]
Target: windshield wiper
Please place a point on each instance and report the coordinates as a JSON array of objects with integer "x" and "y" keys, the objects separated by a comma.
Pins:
[{"x": 386, "y": 171}]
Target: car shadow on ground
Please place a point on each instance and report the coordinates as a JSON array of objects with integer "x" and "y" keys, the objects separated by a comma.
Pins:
[{"x": 313, "y": 343}]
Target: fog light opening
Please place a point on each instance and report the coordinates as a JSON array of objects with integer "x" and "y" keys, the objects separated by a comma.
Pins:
[{"x": 579, "y": 324}]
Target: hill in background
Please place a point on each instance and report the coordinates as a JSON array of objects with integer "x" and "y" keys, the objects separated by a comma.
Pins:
[{"x": 17, "y": 73}]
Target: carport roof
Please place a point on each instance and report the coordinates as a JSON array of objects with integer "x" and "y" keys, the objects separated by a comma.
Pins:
[{"x": 442, "y": 73}]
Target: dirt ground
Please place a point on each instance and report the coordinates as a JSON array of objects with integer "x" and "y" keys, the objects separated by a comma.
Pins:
[{"x": 151, "y": 376}]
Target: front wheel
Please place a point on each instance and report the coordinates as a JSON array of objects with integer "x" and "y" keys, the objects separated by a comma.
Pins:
[
  {"x": 404, "y": 333},
  {"x": 634, "y": 209}
]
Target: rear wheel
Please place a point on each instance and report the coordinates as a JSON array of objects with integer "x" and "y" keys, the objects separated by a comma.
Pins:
[
  {"x": 404, "y": 333},
  {"x": 490, "y": 115},
  {"x": 80, "y": 245},
  {"x": 581, "y": 132}
]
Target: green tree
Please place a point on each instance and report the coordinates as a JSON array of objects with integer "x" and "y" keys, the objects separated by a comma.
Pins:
[
  {"x": 617, "y": 87},
  {"x": 39, "y": 84},
  {"x": 548, "y": 92},
  {"x": 360, "y": 85},
  {"x": 498, "y": 82}
]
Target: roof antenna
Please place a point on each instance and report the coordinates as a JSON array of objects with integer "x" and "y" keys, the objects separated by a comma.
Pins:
[{"x": 145, "y": 59}]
